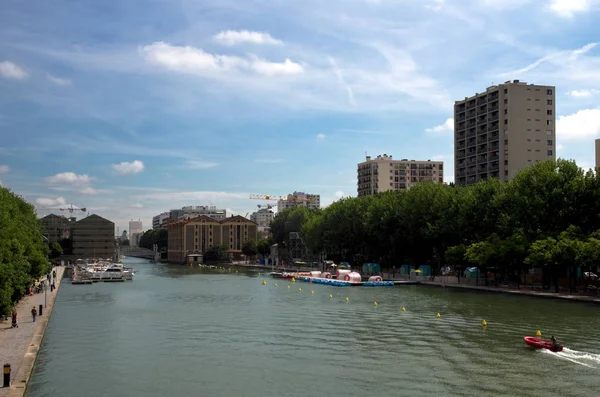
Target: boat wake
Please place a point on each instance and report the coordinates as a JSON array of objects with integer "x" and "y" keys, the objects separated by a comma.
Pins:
[{"x": 586, "y": 359}]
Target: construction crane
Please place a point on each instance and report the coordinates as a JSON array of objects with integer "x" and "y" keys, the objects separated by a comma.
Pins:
[
  {"x": 289, "y": 197},
  {"x": 268, "y": 206},
  {"x": 71, "y": 208}
]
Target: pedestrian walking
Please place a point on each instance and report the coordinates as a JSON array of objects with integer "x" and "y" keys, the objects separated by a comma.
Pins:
[
  {"x": 33, "y": 313},
  {"x": 53, "y": 273}
]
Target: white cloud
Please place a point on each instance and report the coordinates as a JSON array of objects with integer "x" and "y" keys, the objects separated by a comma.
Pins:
[
  {"x": 436, "y": 5},
  {"x": 201, "y": 165},
  {"x": 11, "y": 71},
  {"x": 202, "y": 196},
  {"x": 58, "y": 80},
  {"x": 439, "y": 157},
  {"x": 320, "y": 137},
  {"x": 186, "y": 59},
  {"x": 51, "y": 202},
  {"x": 583, "y": 93},
  {"x": 339, "y": 194},
  {"x": 584, "y": 124},
  {"x": 4, "y": 169},
  {"x": 137, "y": 205},
  {"x": 126, "y": 168},
  {"x": 70, "y": 178},
  {"x": 89, "y": 191},
  {"x": 340, "y": 77},
  {"x": 566, "y": 8},
  {"x": 446, "y": 128},
  {"x": 560, "y": 147},
  {"x": 233, "y": 37}
]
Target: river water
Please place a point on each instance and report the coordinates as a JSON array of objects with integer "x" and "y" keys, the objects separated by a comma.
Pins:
[{"x": 181, "y": 331}]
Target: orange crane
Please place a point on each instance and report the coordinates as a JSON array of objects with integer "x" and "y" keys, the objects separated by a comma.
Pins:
[{"x": 71, "y": 208}]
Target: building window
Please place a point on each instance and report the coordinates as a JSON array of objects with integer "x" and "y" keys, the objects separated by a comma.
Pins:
[
  {"x": 549, "y": 132},
  {"x": 505, "y": 172},
  {"x": 549, "y": 102},
  {"x": 548, "y": 92},
  {"x": 506, "y": 90},
  {"x": 549, "y": 142},
  {"x": 549, "y": 112},
  {"x": 505, "y": 121},
  {"x": 549, "y": 152},
  {"x": 505, "y": 111},
  {"x": 548, "y": 122}
]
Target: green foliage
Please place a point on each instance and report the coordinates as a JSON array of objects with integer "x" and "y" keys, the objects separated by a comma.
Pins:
[
  {"x": 150, "y": 237},
  {"x": 548, "y": 214},
  {"x": 264, "y": 246},
  {"x": 249, "y": 248},
  {"x": 55, "y": 250},
  {"x": 216, "y": 253},
  {"x": 22, "y": 248}
]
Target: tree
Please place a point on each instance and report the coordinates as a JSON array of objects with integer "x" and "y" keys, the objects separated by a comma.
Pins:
[
  {"x": 55, "y": 250},
  {"x": 249, "y": 248},
  {"x": 23, "y": 252},
  {"x": 264, "y": 247},
  {"x": 159, "y": 237},
  {"x": 216, "y": 253}
]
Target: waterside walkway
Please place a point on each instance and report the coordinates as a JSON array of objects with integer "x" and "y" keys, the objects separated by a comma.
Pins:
[
  {"x": 19, "y": 346},
  {"x": 451, "y": 282}
]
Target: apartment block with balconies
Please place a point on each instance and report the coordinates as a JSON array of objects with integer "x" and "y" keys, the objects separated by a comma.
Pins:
[
  {"x": 503, "y": 130},
  {"x": 383, "y": 173}
]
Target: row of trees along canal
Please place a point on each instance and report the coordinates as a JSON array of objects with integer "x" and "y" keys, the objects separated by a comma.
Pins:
[
  {"x": 547, "y": 216},
  {"x": 261, "y": 246},
  {"x": 23, "y": 252}
]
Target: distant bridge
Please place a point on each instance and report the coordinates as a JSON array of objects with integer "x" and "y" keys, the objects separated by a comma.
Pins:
[{"x": 137, "y": 252}]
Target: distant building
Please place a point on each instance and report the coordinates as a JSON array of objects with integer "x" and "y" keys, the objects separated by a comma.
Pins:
[
  {"x": 300, "y": 199},
  {"x": 383, "y": 173},
  {"x": 159, "y": 221},
  {"x": 597, "y": 153},
  {"x": 189, "y": 212},
  {"x": 507, "y": 128},
  {"x": 93, "y": 237},
  {"x": 263, "y": 217},
  {"x": 193, "y": 237},
  {"x": 135, "y": 231},
  {"x": 56, "y": 227}
]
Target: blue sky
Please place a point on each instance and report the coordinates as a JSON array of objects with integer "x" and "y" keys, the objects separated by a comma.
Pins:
[{"x": 130, "y": 108}]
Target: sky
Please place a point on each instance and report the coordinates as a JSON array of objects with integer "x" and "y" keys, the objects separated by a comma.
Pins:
[{"x": 131, "y": 108}]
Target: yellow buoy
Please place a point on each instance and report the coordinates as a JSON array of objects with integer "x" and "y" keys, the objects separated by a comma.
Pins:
[
  {"x": 299, "y": 289},
  {"x": 293, "y": 280},
  {"x": 347, "y": 299},
  {"x": 330, "y": 296},
  {"x": 264, "y": 282},
  {"x": 538, "y": 333},
  {"x": 276, "y": 284},
  {"x": 375, "y": 304},
  {"x": 403, "y": 308},
  {"x": 484, "y": 323},
  {"x": 289, "y": 287},
  {"x": 312, "y": 292},
  {"x": 438, "y": 315}
]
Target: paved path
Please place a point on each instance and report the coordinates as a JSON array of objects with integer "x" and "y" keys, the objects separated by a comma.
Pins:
[{"x": 19, "y": 346}]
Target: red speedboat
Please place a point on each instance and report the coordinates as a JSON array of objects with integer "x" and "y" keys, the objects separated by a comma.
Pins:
[{"x": 541, "y": 344}]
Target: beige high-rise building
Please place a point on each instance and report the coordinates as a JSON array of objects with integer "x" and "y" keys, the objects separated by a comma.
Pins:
[
  {"x": 597, "y": 153},
  {"x": 384, "y": 173},
  {"x": 507, "y": 128}
]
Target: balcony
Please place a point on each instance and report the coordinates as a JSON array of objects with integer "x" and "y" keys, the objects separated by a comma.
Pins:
[
  {"x": 482, "y": 138},
  {"x": 471, "y": 114},
  {"x": 471, "y": 171},
  {"x": 460, "y": 135},
  {"x": 493, "y": 137},
  {"x": 493, "y": 118},
  {"x": 482, "y": 101},
  {"x": 493, "y": 158},
  {"x": 494, "y": 167},
  {"x": 482, "y": 110},
  {"x": 493, "y": 107},
  {"x": 471, "y": 142},
  {"x": 461, "y": 173},
  {"x": 471, "y": 161},
  {"x": 482, "y": 159},
  {"x": 471, "y": 104},
  {"x": 493, "y": 96}
]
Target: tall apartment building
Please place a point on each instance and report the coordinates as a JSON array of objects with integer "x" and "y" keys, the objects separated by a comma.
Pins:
[
  {"x": 300, "y": 199},
  {"x": 503, "y": 130},
  {"x": 597, "y": 153},
  {"x": 56, "y": 227},
  {"x": 383, "y": 173},
  {"x": 135, "y": 232},
  {"x": 159, "y": 220},
  {"x": 263, "y": 217}
]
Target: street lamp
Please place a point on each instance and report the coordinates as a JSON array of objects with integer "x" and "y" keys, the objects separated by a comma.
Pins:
[{"x": 45, "y": 295}]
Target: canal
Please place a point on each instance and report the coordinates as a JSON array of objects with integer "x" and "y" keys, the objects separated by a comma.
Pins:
[{"x": 181, "y": 331}]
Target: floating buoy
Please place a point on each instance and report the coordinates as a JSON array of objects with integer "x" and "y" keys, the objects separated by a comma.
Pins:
[
  {"x": 289, "y": 287},
  {"x": 375, "y": 304},
  {"x": 275, "y": 284},
  {"x": 403, "y": 308},
  {"x": 347, "y": 299},
  {"x": 438, "y": 315},
  {"x": 312, "y": 292},
  {"x": 538, "y": 333},
  {"x": 264, "y": 282},
  {"x": 330, "y": 296},
  {"x": 484, "y": 323},
  {"x": 299, "y": 289}
]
